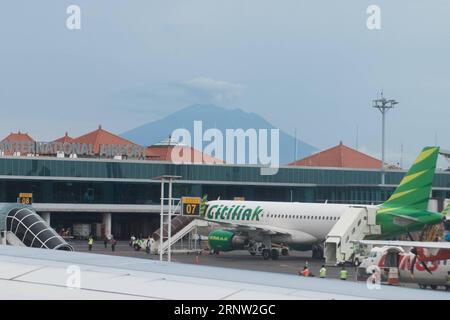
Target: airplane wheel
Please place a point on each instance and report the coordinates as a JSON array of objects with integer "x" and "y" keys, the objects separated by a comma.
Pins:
[
  {"x": 265, "y": 254},
  {"x": 433, "y": 286},
  {"x": 274, "y": 254}
]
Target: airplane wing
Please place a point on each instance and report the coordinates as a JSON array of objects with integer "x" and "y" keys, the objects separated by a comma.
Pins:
[
  {"x": 416, "y": 244},
  {"x": 249, "y": 227},
  {"x": 30, "y": 273}
]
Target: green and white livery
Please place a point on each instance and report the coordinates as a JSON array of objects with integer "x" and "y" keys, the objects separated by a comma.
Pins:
[{"x": 255, "y": 225}]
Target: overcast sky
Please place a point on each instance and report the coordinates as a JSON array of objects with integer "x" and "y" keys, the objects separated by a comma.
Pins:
[{"x": 310, "y": 65}]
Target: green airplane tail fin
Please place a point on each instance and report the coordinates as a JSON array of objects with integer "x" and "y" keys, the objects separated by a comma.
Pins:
[
  {"x": 414, "y": 190},
  {"x": 444, "y": 213}
]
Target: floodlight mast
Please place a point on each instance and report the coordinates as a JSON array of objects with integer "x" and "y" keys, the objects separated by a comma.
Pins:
[{"x": 384, "y": 105}]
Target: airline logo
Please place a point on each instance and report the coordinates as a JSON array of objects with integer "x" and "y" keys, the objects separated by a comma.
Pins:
[{"x": 234, "y": 212}]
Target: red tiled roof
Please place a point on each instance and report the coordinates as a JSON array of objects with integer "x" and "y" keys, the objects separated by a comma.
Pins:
[
  {"x": 101, "y": 136},
  {"x": 164, "y": 153},
  {"x": 66, "y": 138},
  {"x": 339, "y": 156},
  {"x": 18, "y": 137},
  {"x": 13, "y": 137}
]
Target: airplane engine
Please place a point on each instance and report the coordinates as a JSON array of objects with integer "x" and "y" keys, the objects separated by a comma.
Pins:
[{"x": 223, "y": 240}]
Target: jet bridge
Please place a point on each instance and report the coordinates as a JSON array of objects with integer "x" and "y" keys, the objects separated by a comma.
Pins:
[
  {"x": 355, "y": 224},
  {"x": 20, "y": 225}
]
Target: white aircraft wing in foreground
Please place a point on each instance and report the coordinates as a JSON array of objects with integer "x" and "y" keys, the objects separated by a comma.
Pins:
[{"x": 29, "y": 273}]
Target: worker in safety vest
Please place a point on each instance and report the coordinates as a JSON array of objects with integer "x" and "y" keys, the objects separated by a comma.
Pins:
[
  {"x": 323, "y": 272},
  {"x": 305, "y": 272},
  {"x": 90, "y": 242},
  {"x": 343, "y": 274}
]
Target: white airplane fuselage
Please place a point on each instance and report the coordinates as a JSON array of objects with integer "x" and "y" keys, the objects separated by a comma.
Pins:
[{"x": 307, "y": 223}]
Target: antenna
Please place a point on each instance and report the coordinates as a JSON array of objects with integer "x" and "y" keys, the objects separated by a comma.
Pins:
[
  {"x": 401, "y": 156},
  {"x": 295, "y": 146},
  {"x": 384, "y": 106}
]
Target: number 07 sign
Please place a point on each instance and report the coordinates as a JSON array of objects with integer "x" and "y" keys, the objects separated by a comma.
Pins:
[{"x": 190, "y": 206}]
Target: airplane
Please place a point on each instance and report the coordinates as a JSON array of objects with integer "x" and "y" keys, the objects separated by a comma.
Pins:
[
  {"x": 424, "y": 263},
  {"x": 258, "y": 225}
]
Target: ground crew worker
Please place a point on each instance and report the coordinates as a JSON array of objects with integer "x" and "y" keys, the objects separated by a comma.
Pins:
[
  {"x": 323, "y": 272},
  {"x": 90, "y": 242},
  {"x": 343, "y": 274},
  {"x": 113, "y": 244},
  {"x": 305, "y": 272},
  {"x": 105, "y": 241}
]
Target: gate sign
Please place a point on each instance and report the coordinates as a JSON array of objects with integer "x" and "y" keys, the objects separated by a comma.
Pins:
[
  {"x": 25, "y": 198},
  {"x": 190, "y": 206}
]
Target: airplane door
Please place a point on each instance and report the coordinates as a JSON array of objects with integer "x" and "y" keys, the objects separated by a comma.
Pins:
[{"x": 391, "y": 260}]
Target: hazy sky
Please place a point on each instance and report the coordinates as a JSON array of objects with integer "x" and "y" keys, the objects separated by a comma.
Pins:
[{"x": 310, "y": 65}]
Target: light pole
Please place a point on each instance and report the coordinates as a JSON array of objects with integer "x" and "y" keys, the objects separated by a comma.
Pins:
[{"x": 384, "y": 105}]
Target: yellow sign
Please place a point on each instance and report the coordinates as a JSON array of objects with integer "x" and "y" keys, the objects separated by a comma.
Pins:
[
  {"x": 191, "y": 206},
  {"x": 26, "y": 198}
]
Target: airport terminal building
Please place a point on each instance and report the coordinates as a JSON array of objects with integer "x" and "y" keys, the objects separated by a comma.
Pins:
[{"x": 122, "y": 195}]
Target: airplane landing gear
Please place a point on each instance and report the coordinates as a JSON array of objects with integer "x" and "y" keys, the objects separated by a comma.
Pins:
[
  {"x": 265, "y": 254},
  {"x": 255, "y": 248},
  {"x": 274, "y": 254}
]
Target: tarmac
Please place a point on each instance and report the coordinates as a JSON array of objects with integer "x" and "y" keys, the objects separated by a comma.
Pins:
[{"x": 238, "y": 259}]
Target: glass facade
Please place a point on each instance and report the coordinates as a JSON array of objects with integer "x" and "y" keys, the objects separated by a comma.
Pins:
[{"x": 53, "y": 180}]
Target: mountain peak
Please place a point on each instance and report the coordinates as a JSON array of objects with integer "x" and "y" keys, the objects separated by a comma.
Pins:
[{"x": 220, "y": 118}]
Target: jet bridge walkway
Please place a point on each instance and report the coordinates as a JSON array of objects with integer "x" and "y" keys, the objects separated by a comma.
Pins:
[{"x": 21, "y": 226}]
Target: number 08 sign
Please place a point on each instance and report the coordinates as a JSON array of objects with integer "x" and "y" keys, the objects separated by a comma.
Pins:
[{"x": 190, "y": 206}]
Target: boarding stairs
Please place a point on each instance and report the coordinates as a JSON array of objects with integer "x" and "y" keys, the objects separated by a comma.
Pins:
[
  {"x": 182, "y": 240},
  {"x": 355, "y": 224}
]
